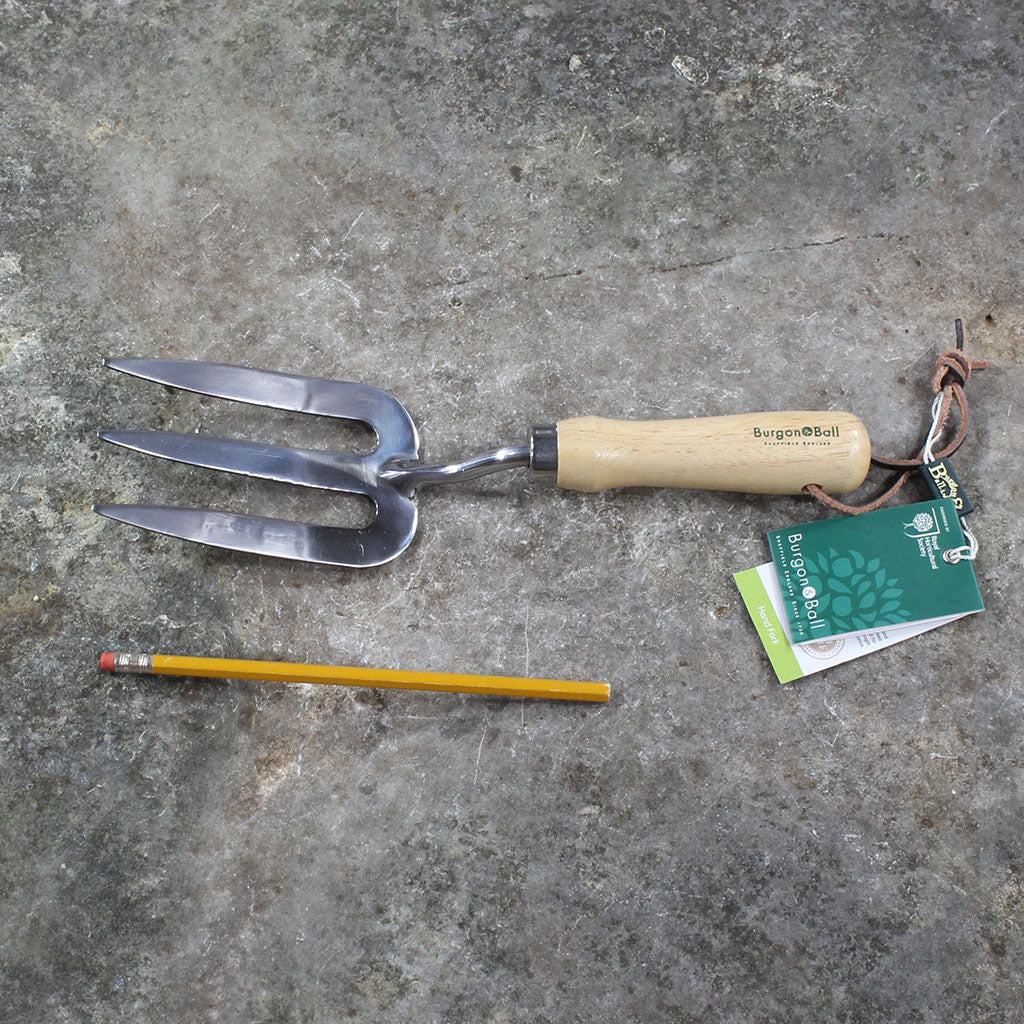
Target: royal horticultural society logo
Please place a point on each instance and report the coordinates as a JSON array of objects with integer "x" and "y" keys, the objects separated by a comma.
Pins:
[
  {"x": 851, "y": 591},
  {"x": 926, "y": 529},
  {"x": 922, "y": 523}
]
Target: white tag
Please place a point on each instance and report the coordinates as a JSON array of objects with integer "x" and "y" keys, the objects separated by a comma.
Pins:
[{"x": 759, "y": 588}]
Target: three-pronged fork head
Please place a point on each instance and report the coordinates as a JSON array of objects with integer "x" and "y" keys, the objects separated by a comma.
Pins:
[{"x": 397, "y": 446}]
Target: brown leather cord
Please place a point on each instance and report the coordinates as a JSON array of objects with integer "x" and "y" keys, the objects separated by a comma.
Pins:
[{"x": 952, "y": 372}]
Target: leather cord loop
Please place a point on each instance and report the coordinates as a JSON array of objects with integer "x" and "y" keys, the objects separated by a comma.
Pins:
[{"x": 953, "y": 370}]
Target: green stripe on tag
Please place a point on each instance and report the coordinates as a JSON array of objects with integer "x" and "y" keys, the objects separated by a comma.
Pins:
[{"x": 768, "y": 626}]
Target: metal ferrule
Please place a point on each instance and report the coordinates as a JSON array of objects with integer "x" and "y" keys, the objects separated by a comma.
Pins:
[
  {"x": 136, "y": 664},
  {"x": 544, "y": 453}
]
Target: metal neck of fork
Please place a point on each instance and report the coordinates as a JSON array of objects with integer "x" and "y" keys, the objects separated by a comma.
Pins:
[{"x": 540, "y": 456}]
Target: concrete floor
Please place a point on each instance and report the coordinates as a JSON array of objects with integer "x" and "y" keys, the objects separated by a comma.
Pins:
[{"x": 504, "y": 215}]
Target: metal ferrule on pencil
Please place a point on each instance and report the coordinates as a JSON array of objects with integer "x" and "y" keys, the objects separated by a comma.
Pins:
[{"x": 134, "y": 663}]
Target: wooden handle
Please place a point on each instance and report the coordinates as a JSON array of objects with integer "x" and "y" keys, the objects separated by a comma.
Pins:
[{"x": 760, "y": 453}]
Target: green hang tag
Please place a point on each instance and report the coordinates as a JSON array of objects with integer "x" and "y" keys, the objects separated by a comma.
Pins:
[{"x": 884, "y": 568}]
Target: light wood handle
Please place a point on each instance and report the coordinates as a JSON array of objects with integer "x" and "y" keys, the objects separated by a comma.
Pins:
[{"x": 759, "y": 453}]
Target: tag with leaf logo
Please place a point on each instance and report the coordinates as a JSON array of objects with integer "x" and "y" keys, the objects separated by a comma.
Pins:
[
  {"x": 867, "y": 572},
  {"x": 857, "y": 591}
]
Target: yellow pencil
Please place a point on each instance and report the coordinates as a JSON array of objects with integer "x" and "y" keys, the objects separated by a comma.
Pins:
[{"x": 288, "y": 672}]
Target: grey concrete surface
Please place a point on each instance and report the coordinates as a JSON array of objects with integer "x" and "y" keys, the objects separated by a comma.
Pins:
[{"x": 504, "y": 214}]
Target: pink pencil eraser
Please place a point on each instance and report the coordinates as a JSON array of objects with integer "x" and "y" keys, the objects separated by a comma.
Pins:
[{"x": 107, "y": 662}]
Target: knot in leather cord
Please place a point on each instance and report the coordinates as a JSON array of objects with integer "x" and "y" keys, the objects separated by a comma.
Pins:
[
  {"x": 954, "y": 366},
  {"x": 953, "y": 370}
]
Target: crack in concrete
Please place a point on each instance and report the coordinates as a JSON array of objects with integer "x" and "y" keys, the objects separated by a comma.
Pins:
[
  {"x": 697, "y": 265},
  {"x": 725, "y": 258}
]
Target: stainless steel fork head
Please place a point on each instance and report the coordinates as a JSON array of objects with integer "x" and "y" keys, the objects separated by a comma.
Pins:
[{"x": 397, "y": 443}]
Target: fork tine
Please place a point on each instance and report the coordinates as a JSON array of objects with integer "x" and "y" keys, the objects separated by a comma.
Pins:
[
  {"x": 328, "y": 470},
  {"x": 384, "y": 539},
  {"x": 341, "y": 399}
]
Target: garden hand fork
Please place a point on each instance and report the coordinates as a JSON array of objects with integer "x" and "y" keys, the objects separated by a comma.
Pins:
[{"x": 766, "y": 453}]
